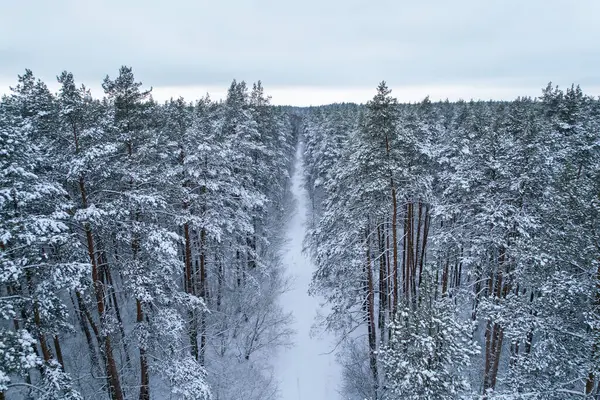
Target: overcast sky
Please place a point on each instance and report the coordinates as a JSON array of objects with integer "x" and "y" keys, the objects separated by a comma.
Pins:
[{"x": 309, "y": 51}]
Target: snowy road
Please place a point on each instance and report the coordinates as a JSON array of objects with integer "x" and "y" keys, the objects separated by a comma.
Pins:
[{"x": 305, "y": 372}]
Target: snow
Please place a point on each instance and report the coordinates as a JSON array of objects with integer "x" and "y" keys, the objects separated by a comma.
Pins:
[{"x": 308, "y": 370}]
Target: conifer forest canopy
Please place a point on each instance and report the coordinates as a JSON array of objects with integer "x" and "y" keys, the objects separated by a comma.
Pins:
[{"x": 455, "y": 245}]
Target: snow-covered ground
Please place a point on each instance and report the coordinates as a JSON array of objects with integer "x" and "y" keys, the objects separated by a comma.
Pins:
[{"x": 308, "y": 370}]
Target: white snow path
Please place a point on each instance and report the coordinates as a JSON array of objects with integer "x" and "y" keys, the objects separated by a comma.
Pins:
[{"x": 306, "y": 371}]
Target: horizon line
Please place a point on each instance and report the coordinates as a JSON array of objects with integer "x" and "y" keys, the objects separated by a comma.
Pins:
[{"x": 312, "y": 96}]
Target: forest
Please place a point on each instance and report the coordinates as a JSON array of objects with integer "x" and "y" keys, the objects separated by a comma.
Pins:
[
  {"x": 456, "y": 244},
  {"x": 138, "y": 242},
  {"x": 459, "y": 245}
]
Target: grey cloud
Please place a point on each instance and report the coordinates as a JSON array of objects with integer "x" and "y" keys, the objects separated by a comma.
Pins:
[{"x": 317, "y": 43}]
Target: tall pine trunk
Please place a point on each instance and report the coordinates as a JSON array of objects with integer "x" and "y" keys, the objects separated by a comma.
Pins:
[
  {"x": 405, "y": 265},
  {"x": 111, "y": 365},
  {"x": 371, "y": 318},
  {"x": 395, "y": 247},
  {"x": 382, "y": 282},
  {"x": 46, "y": 354},
  {"x": 202, "y": 295},
  {"x": 427, "y": 221},
  {"x": 189, "y": 288},
  {"x": 144, "y": 375},
  {"x": 113, "y": 295}
]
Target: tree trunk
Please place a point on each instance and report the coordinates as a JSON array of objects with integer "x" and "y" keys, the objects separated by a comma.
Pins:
[
  {"x": 411, "y": 251},
  {"x": 418, "y": 241},
  {"x": 394, "y": 227},
  {"x": 395, "y": 248},
  {"x": 46, "y": 354},
  {"x": 102, "y": 342},
  {"x": 58, "y": 350},
  {"x": 427, "y": 221},
  {"x": 382, "y": 282},
  {"x": 251, "y": 243},
  {"x": 41, "y": 337},
  {"x": 144, "y": 375},
  {"x": 113, "y": 373},
  {"x": 529, "y": 337},
  {"x": 499, "y": 335},
  {"x": 189, "y": 288},
  {"x": 514, "y": 352},
  {"x": 477, "y": 292},
  {"x": 88, "y": 336},
  {"x": 145, "y": 379},
  {"x": 371, "y": 319},
  {"x": 457, "y": 281},
  {"x": 445, "y": 276},
  {"x": 202, "y": 294},
  {"x": 488, "y": 355},
  {"x": 111, "y": 366},
  {"x": 404, "y": 256},
  {"x": 389, "y": 283},
  {"x": 113, "y": 295}
]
